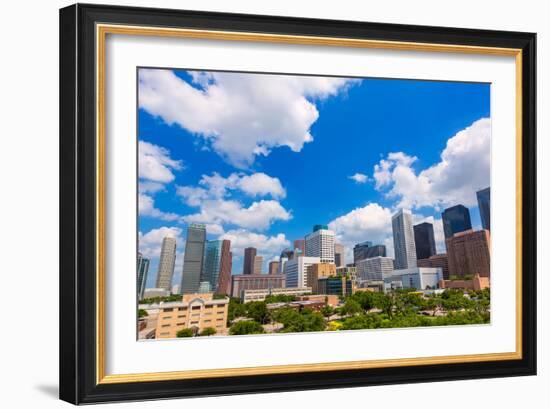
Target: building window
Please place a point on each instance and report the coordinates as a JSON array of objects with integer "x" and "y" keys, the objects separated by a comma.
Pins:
[
  {"x": 196, "y": 307},
  {"x": 168, "y": 309}
]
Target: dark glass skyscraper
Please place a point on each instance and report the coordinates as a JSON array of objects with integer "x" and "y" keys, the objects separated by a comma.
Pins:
[
  {"x": 456, "y": 219},
  {"x": 249, "y": 256},
  {"x": 424, "y": 240},
  {"x": 366, "y": 249},
  {"x": 217, "y": 265},
  {"x": 484, "y": 203},
  {"x": 193, "y": 259}
]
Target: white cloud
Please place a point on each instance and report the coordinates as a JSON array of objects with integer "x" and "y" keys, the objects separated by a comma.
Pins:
[
  {"x": 216, "y": 186},
  {"x": 359, "y": 178},
  {"x": 260, "y": 184},
  {"x": 146, "y": 207},
  {"x": 155, "y": 164},
  {"x": 267, "y": 246},
  {"x": 258, "y": 216},
  {"x": 463, "y": 169},
  {"x": 150, "y": 243},
  {"x": 240, "y": 115},
  {"x": 146, "y": 186},
  {"x": 371, "y": 222}
]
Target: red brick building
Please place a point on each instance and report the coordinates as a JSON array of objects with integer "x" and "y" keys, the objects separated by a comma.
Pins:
[{"x": 469, "y": 253}]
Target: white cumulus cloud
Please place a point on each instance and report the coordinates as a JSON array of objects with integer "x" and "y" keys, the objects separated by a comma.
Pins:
[
  {"x": 155, "y": 164},
  {"x": 371, "y": 222},
  {"x": 464, "y": 168},
  {"x": 150, "y": 243},
  {"x": 240, "y": 115},
  {"x": 258, "y": 216}
]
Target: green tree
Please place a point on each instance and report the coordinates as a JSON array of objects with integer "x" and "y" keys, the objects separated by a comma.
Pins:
[
  {"x": 235, "y": 309},
  {"x": 296, "y": 321},
  {"x": 257, "y": 310},
  {"x": 142, "y": 313},
  {"x": 207, "y": 332},
  {"x": 363, "y": 321},
  {"x": 327, "y": 311},
  {"x": 246, "y": 327},
  {"x": 351, "y": 307},
  {"x": 279, "y": 298},
  {"x": 384, "y": 302},
  {"x": 185, "y": 333}
]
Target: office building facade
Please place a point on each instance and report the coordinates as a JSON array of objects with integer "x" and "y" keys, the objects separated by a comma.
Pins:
[
  {"x": 193, "y": 260},
  {"x": 167, "y": 261},
  {"x": 317, "y": 271},
  {"x": 248, "y": 264},
  {"x": 296, "y": 270},
  {"x": 338, "y": 285},
  {"x": 142, "y": 271},
  {"x": 239, "y": 283},
  {"x": 195, "y": 311},
  {"x": 469, "y": 253},
  {"x": 484, "y": 203},
  {"x": 217, "y": 265},
  {"x": 437, "y": 260},
  {"x": 416, "y": 278},
  {"x": 455, "y": 220},
  {"x": 424, "y": 240},
  {"x": 273, "y": 267},
  {"x": 320, "y": 243},
  {"x": 300, "y": 244},
  {"x": 258, "y": 264},
  {"x": 339, "y": 258},
  {"x": 374, "y": 269},
  {"x": 403, "y": 240},
  {"x": 366, "y": 249}
]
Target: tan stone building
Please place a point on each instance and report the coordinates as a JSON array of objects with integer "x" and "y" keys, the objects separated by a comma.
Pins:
[
  {"x": 469, "y": 253},
  {"x": 317, "y": 271},
  {"x": 198, "y": 311},
  {"x": 476, "y": 283}
]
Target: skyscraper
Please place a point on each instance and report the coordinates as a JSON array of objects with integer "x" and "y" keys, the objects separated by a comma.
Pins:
[
  {"x": 248, "y": 265},
  {"x": 167, "y": 261},
  {"x": 320, "y": 243},
  {"x": 300, "y": 244},
  {"x": 193, "y": 260},
  {"x": 484, "y": 203},
  {"x": 142, "y": 270},
  {"x": 374, "y": 268},
  {"x": 403, "y": 240},
  {"x": 273, "y": 267},
  {"x": 258, "y": 264},
  {"x": 456, "y": 219},
  {"x": 366, "y": 249},
  {"x": 339, "y": 255},
  {"x": 216, "y": 265},
  {"x": 424, "y": 240}
]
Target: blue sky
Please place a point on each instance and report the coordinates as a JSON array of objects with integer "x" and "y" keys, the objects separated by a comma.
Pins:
[{"x": 261, "y": 158}]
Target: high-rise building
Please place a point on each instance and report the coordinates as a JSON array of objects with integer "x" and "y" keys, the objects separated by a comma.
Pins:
[
  {"x": 216, "y": 264},
  {"x": 258, "y": 264},
  {"x": 339, "y": 255},
  {"x": 317, "y": 271},
  {"x": 320, "y": 243},
  {"x": 336, "y": 285},
  {"x": 248, "y": 264},
  {"x": 403, "y": 240},
  {"x": 226, "y": 265},
  {"x": 469, "y": 253},
  {"x": 239, "y": 283},
  {"x": 273, "y": 267},
  {"x": 435, "y": 261},
  {"x": 484, "y": 203},
  {"x": 301, "y": 245},
  {"x": 366, "y": 249},
  {"x": 374, "y": 268},
  {"x": 424, "y": 240},
  {"x": 142, "y": 270},
  {"x": 296, "y": 270},
  {"x": 456, "y": 219},
  {"x": 193, "y": 260},
  {"x": 167, "y": 261}
]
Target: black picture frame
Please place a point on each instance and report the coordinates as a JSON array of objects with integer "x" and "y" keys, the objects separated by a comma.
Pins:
[{"x": 78, "y": 309}]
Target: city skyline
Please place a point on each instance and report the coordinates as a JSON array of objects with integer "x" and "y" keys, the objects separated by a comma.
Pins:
[{"x": 253, "y": 200}]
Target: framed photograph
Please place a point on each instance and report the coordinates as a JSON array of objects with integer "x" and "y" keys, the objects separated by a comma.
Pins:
[{"x": 257, "y": 203}]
